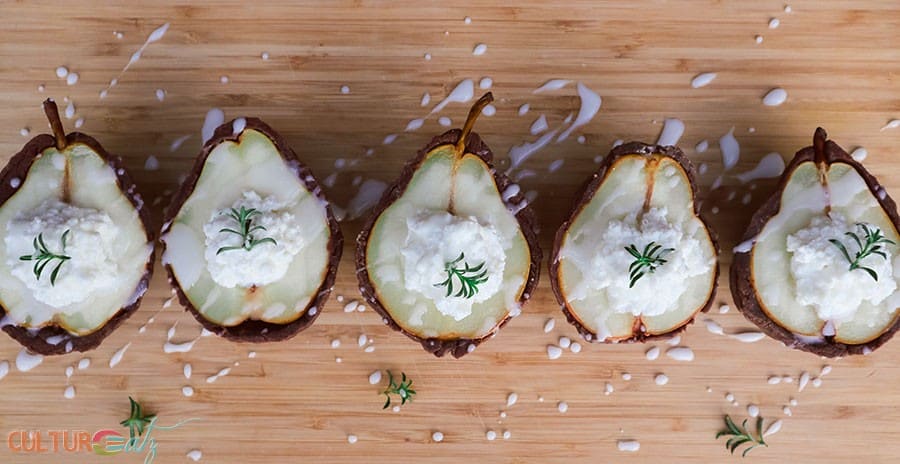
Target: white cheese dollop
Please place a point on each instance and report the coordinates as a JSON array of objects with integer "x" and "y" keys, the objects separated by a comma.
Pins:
[
  {"x": 435, "y": 238},
  {"x": 606, "y": 267},
  {"x": 90, "y": 245},
  {"x": 264, "y": 263},
  {"x": 822, "y": 276}
]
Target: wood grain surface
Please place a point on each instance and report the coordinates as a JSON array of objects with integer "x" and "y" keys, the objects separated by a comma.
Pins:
[{"x": 838, "y": 60}]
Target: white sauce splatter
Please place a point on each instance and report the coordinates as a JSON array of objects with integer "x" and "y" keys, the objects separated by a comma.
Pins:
[
  {"x": 714, "y": 327},
  {"x": 548, "y": 326},
  {"x": 680, "y": 353},
  {"x": 892, "y": 124},
  {"x": 773, "y": 428},
  {"x": 154, "y": 36},
  {"x": 731, "y": 150},
  {"x": 554, "y": 352},
  {"x": 26, "y": 361},
  {"x": 629, "y": 446},
  {"x": 214, "y": 118},
  {"x": 775, "y": 97},
  {"x": 671, "y": 132},
  {"x": 479, "y": 49},
  {"x": 463, "y": 92},
  {"x": 702, "y": 80},
  {"x": 238, "y": 126},
  {"x": 552, "y": 84},
  {"x": 590, "y": 105},
  {"x": 748, "y": 337},
  {"x": 771, "y": 165},
  {"x": 519, "y": 153},
  {"x": 170, "y": 347},
  {"x": 151, "y": 163},
  {"x": 117, "y": 356}
]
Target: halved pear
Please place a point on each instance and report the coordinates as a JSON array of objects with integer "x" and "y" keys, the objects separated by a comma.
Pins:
[
  {"x": 791, "y": 276},
  {"x": 642, "y": 198},
  {"x": 271, "y": 282},
  {"x": 76, "y": 253},
  {"x": 449, "y": 254}
]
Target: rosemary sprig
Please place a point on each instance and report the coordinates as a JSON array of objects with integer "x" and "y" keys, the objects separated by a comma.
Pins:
[
  {"x": 645, "y": 262},
  {"x": 403, "y": 389},
  {"x": 244, "y": 218},
  {"x": 137, "y": 420},
  {"x": 469, "y": 277},
  {"x": 873, "y": 239},
  {"x": 42, "y": 256},
  {"x": 741, "y": 435}
]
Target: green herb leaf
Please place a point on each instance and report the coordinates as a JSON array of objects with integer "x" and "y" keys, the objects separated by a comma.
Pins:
[
  {"x": 741, "y": 435},
  {"x": 137, "y": 420},
  {"x": 403, "y": 389},
  {"x": 869, "y": 244},
  {"x": 469, "y": 277},
  {"x": 42, "y": 256},
  {"x": 244, "y": 217},
  {"x": 645, "y": 262}
]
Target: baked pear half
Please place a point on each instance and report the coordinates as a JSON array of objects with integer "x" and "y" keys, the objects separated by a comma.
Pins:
[
  {"x": 819, "y": 265},
  {"x": 449, "y": 254},
  {"x": 635, "y": 260},
  {"x": 251, "y": 246},
  {"x": 76, "y": 252}
]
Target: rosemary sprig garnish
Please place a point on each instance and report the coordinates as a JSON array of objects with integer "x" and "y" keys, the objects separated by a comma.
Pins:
[
  {"x": 645, "y": 262},
  {"x": 403, "y": 389},
  {"x": 244, "y": 218},
  {"x": 42, "y": 256},
  {"x": 137, "y": 420},
  {"x": 469, "y": 277},
  {"x": 873, "y": 246},
  {"x": 741, "y": 435}
]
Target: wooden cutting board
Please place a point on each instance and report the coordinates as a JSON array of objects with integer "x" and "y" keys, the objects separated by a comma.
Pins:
[{"x": 293, "y": 402}]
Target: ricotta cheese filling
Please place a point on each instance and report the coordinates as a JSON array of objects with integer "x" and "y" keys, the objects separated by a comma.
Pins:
[
  {"x": 604, "y": 263},
  {"x": 822, "y": 275},
  {"x": 438, "y": 242},
  {"x": 90, "y": 247},
  {"x": 265, "y": 262}
]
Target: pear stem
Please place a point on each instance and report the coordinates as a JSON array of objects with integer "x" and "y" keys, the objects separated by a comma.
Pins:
[
  {"x": 819, "y": 145},
  {"x": 479, "y": 105},
  {"x": 59, "y": 132}
]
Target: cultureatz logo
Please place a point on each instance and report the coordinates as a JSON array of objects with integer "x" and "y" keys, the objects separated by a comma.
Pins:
[{"x": 105, "y": 442}]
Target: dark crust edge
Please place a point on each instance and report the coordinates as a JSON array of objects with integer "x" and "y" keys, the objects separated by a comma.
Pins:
[
  {"x": 457, "y": 347},
  {"x": 257, "y": 331},
  {"x": 743, "y": 291},
  {"x": 18, "y": 167},
  {"x": 582, "y": 199}
]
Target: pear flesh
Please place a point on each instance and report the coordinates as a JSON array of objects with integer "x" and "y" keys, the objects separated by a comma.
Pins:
[
  {"x": 802, "y": 278},
  {"x": 72, "y": 190},
  {"x": 450, "y": 207},
  {"x": 225, "y": 280},
  {"x": 643, "y": 198}
]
